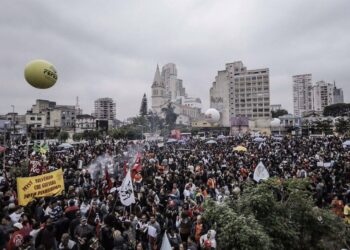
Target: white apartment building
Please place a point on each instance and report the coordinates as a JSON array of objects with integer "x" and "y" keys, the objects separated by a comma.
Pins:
[
  {"x": 63, "y": 116},
  {"x": 105, "y": 109},
  {"x": 302, "y": 94},
  {"x": 85, "y": 122},
  {"x": 238, "y": 92},
  {"x": 322, "y": 95},
  {"x": 35, "y": 120}
]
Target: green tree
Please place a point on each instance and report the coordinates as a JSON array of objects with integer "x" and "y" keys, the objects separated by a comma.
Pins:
[
  {"x": 143, "y": 108},
  {"x": 339, "y": 109},
  {"x": 235, "y": 231},
  {"x": 91, "y": 135},
  {"x": 278, "y": 113},
  {"x": 281, "y": 215},
  {"x": 77, "y": 136},
  {"x": 155, "y": 121},
  {"x": 63, "y": 136},
  {"x": 342, "y": 126},
  {"x": 322, "y": 126},
  {"x": 170, "y": 116}
]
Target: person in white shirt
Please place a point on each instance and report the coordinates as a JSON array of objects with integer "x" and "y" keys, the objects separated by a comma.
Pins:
[{"x": 16, "y": 215}]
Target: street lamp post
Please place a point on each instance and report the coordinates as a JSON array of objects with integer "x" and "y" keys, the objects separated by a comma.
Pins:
[
  {"x": 13, "y": 120},
  {"x": 4, "y": 141}
]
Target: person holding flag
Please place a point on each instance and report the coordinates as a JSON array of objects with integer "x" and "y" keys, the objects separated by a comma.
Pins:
[{"x": 126, "y": 191}]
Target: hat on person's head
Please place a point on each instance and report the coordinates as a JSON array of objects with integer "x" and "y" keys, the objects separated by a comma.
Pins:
[
  {"x": 12, "y": 206},
  {"x": 18, "y": 225}
]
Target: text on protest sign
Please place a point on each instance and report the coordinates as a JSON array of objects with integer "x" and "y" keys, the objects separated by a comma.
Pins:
[{"x": 39, "y": 186}]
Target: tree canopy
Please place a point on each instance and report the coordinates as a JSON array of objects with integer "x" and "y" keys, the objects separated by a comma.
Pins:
[
  {"x": 339, "y": 109},
  {"x": 170, "y": 116},
  {"x": 144, "y": 106},
  {"x": 275, "y": 215},
  {"x": 278, "y": 113}
]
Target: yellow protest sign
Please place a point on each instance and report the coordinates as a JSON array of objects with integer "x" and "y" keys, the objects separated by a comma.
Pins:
[{"x": 50, "y": 184}]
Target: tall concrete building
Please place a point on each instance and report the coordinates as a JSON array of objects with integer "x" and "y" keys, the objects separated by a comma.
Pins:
[
  {"x": 169, "y": 79},
  {"x": 167, "y": 88},
  {"x": 63, "y": 116},
  {"x": 322, "y": 95},
  {"x": 302, "y": 94},
  {"x": 159, "y": 93},
  {"x": 46, "y": 114},
  {"x": 105, "y": 109},
  {"x": 338, "y": 95},
  {"x": 275, "y": 107},
  {"x": 238, "y": 92}
]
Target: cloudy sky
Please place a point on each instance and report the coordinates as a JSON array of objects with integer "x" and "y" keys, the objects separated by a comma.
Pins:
[{"x": 111, "y": 48}]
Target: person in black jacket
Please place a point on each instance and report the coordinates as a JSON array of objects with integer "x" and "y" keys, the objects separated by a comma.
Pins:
[
  {"x": 83, "y": 233},
  {"x": 106, "y": 234},
  {"x": 46, "y": 236}
]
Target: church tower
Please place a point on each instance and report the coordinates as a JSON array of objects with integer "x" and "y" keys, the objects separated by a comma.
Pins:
[{"x": 158, "y": 93}]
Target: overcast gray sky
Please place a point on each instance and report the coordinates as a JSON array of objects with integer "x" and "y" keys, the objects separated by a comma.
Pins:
[{"x": 111, "y": 48}]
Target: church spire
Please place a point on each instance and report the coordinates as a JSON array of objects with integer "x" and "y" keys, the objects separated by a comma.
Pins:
[{"x": 157, "y": 80}]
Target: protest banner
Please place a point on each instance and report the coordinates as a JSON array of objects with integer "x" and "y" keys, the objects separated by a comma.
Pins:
[{"x": 50, "y": 184}]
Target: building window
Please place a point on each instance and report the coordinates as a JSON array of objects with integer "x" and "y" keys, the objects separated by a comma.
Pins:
[{"x": 32, "y": 118}]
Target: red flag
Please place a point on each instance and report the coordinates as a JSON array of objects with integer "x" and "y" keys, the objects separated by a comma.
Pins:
[
  {"x": 108, "y": 179},
  {"x": 138, "y": 158},
  {"x": 125, "y": 168}
]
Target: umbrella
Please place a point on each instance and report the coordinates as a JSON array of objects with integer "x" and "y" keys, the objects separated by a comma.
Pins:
[
  {"x": 171, "y": 140},
  {"x": 240, "y": 149},
  {"x": 259, "y": 139},
  {"x": 277, "y": 138},
  {"x": 211, "y": 142},
  {"x": 346, "y": 144},
  {"x": 221, "y": 137},
  {"x": 2, "y": 149},
  {"x": 65, "y": 145},
  {"x": 182, "y": 141}
]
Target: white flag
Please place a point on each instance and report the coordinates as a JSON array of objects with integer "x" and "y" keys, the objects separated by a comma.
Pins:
[
  {"x": 165, "y": 243},
  {"x": 260, "y": 173},
  {"x": 126, "y": 191}
]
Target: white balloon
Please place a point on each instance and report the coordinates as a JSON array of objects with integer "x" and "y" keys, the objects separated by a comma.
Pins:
[
  {"x": 275, "y": 123},
  {"x": 212, "y": 115}
]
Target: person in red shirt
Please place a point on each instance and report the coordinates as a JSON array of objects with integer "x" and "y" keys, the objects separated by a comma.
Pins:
[
  {"x": 211, "y": 186},
  {"x": 138, "y": 181},
  {"x": 17, "y": 237},
  {"x": 71, "y": 210}
]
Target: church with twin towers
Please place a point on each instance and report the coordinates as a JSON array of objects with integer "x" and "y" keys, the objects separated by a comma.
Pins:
[{"x": 167, "y": 88}]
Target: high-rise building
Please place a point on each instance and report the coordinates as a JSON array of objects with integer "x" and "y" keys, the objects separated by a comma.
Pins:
[
  {"x": 338, "y": 95},
  {"x": 169, "y": 78},
  {"x": 105, "y": 109},
  {"x": 275, "y": 107},
  {"x": 322, "y": 95},
  {"x": 302, "y": 94},
  {"x": 238, "y": 92}
]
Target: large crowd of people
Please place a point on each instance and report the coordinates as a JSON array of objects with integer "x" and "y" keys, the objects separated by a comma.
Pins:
[{"x": 171, "y": 183}]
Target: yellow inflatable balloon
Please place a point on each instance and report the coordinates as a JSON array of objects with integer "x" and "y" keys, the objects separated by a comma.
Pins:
[{"x": 40, "y": 74}]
